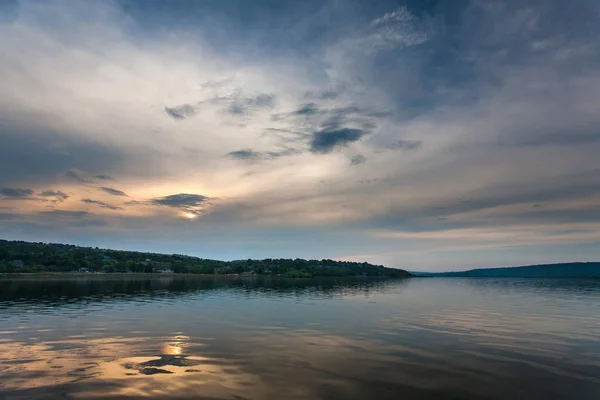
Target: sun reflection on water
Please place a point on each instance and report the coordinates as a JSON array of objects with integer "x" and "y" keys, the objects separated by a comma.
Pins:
[
  {"x": 143, "y": 366},
  {"x": 176, "y": 345}
]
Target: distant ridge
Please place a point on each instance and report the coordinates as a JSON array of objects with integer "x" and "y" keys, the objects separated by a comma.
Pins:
[{"x": 563, "y": 270}]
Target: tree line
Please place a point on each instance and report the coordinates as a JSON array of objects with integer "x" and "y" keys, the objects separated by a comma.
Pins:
[{"x": 27, "y": 257}]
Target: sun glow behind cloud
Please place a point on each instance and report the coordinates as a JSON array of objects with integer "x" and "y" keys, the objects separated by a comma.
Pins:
[{"x": 190, "y": 215}]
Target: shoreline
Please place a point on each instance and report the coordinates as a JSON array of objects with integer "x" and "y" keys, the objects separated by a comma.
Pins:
[{"x": 172, "y": 275}]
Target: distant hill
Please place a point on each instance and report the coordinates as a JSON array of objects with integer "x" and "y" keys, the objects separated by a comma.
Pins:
[
  {"x": 565, "y": 270},
  {"x": 26, "y": 257}
]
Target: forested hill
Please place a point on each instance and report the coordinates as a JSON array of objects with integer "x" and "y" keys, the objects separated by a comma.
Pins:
[
  {"x": 18, "y": 256},
  {"x": 565, "y": 270}
]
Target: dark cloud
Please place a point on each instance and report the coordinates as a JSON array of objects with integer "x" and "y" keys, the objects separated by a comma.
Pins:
[
  {"x": 187, "y": 202},
  {"x": 336, "y": 118},
  {"x": 73, "y": 174},
  {"x": 325, "y": 141},
  {"x": 307, "y": 109},
  {"x": 181, "y": 112},
  {"x": 101, "y": 204},
  {"x": 333, "y": 118},
  {"x": 112, "y": 191},
  {"x": 15, "y": 193},
  {"x": 245, "y": 154},
  {"x": 358, "y": 159},
  {"x": 57, "y": 194},
  {"x": 181, "y": 200},
  {"x": 251, "y": 155},
  {"x": 104, "y": 177}
]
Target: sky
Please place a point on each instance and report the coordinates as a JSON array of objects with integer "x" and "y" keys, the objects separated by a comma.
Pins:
[{"x": 425, "y": 135}]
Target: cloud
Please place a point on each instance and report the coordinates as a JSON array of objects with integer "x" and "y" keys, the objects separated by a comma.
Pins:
[
  {"x": 76, "y": 175},
  {"x": 245, "y": 154},
  {"x": 307, "y": 109},
  {"x": 251, "y": 155},
  {"x": 102, "y": 204},
  {"x": 113, "y": 192},
  {"x": 234, "y": 103},
  {"x": 325, "y": 141},
  {"x": 406, "y": 145},
  {"x": 399, "y": 28},
  {"x": 238, "y": 103},
  {"x": 329, "y": 95},
  {"x": 263, "y": 100},
  {"x": 16, "y": 193},
  {"x": 59, "y": 195},
  {"x": 358, "y": 159},
  {"x": 65, "y": 213},
  {"x": 180, "y": 200},
  {"x": 186, "y": 202},
  {"x": 104, "y": 177},
  {"x": 181, "y": 112}
]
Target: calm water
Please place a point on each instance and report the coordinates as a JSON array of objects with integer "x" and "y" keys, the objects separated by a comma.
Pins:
[{"x": 168, "y": 337}]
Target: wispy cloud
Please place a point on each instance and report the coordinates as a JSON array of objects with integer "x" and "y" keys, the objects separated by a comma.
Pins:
[
  {"x": 114, "y": 192},
  {"x": 101, "y": 204},
  {"x": 245, "y": 154},
  {"x": 66, "y": 213},
  {"x": 251, "y": 155},
  {"x": 59, "y": 196},
  {"x": 399, "y": 28},
  {"x": 307, "y": 109},
  {"x": 104, "y": 177},
  {"x": 77, "y": 176},
  {"x": 16, "y": 193}
]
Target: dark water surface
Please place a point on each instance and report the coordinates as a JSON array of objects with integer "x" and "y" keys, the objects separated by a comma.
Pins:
[{"x": 167, "y": 337}]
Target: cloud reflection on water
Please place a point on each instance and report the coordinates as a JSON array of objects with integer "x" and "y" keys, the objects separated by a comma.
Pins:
[{"x": 423, "y": 338}]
